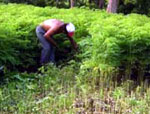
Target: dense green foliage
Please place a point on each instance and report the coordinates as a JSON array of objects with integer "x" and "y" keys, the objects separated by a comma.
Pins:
[
  {"x": 107, "y": 43},
  {"x": 70, "y": 90},
  {"x": 19, "y": 45},
  {"x": 121, "y": 41},
  {"x": 117, "y": 40},
  {"x": 125, "y": 6}
]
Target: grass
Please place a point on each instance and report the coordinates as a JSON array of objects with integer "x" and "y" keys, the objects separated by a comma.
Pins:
[{"x": 68, "y": 91}]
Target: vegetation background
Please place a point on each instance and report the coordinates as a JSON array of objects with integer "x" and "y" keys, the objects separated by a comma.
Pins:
[
  {"x": 109, "y": 73},
  {"x": 124, "y": 6}
]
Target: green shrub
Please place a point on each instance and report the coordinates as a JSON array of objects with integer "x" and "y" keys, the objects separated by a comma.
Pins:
[
  {"x": 19, "y": 45},
  {"x": 117, "y": 40},
  {"x": 120, "y": 41}
]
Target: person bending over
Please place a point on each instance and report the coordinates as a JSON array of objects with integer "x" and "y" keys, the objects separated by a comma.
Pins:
[{"x": 45, "y": 32}]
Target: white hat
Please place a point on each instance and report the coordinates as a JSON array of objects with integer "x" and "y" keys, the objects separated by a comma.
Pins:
[{"x": 70, "y": 27}]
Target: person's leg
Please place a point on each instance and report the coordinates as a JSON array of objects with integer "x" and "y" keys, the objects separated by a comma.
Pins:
[
  {"x": 46, "y": 51},
  {"x": 52, "y": 53}
]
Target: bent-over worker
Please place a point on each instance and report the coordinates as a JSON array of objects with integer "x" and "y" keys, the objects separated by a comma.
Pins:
[{"x": 45, "y": 32}]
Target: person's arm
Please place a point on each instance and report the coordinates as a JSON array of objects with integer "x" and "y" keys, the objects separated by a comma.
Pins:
[
  {"x": 48, "y": 36},
  {"x": 74, "y": 44}
]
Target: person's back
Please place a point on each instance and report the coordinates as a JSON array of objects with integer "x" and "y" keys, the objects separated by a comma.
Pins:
[{"x": 51, "y": 23}]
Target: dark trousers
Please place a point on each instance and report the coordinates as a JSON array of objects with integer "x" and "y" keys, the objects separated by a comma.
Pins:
[{"x": 47, "y": 54}]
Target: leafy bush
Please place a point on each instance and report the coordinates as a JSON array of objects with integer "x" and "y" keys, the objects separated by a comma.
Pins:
[
  {"x": 120, "y": 41},
  {"x": 117, "y": 40},
  {"x": 19, "y": 45}
]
